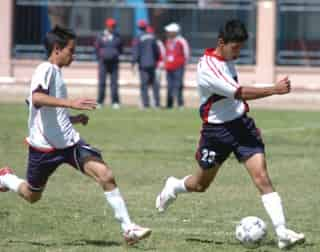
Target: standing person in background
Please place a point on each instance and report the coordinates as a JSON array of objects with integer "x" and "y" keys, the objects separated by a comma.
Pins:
[
  {"x": 108, "y": 47},
  {"x": 177, "y": 56},
  {"x": 160, "y": 63},
  {"x": 146, "y": 54}
]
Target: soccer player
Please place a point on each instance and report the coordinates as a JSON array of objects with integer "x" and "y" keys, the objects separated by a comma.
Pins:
[
  {"x": 227, "y": 128},
  {"x": 53, "y": 140}
]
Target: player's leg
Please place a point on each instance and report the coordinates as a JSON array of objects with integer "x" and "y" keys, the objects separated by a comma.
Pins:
[
  {"x": 211, "y": 153},
  {"x": 257, "y": 168},
  {"x": 173, "y": 186},
  {"x": 9, "y": 181},
  {"x": 91, "y": 163},
  {"x": 250, "y": 150},
  {"x": 40, "y": 167}
]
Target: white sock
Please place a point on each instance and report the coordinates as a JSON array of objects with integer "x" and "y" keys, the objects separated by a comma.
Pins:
[
  {"x": 118, "y": 205},
  {"x": 272, "y": 204},
  {"x": 11, "y": 181},
  {"x": 180, "y": 186}
]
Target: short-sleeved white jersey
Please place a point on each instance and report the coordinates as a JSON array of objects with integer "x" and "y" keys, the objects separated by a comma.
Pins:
[
  {"x": 217, "y": 85},
  {"x": 50, "y": 127}
]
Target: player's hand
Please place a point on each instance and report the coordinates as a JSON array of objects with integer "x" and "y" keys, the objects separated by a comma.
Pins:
[
  {"x": 283, "y": 86},
  {"x": 81, "y": 118},
  {"x": 83, "y": 104}
]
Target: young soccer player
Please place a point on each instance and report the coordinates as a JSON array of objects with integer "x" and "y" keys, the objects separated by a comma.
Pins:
[
  {"x": 227, "y": 128},
  {"x": 53, "y": 140}
]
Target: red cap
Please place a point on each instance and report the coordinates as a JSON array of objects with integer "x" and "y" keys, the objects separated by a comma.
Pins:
[
  {"x": 110, "y": 22},
  {"x": 150, "y": 29},
  {"x": 142, "y": 23}
]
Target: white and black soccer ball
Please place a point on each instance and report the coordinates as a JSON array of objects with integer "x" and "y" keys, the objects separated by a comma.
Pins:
[{"x": 250, "y": 231}]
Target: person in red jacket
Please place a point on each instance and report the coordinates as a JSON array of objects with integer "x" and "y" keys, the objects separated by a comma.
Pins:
[{"x": 176, "y": 58}]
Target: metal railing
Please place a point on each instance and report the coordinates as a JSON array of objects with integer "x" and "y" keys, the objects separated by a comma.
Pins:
[
  {"x": 298, "y": 41},
  {"x": 200, "y": 21}
]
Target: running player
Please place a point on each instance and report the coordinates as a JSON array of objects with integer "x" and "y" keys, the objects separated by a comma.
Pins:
[
  {"x": 53, "y": 140},
  {"x": 228, "y": 129}
]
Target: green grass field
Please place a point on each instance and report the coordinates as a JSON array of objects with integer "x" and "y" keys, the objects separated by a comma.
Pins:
[{"x": 143, "y": 148}]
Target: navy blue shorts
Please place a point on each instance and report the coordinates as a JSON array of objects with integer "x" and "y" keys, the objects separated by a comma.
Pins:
[
  {"x": 217, "y": 141},
  {"x": 41, "y": 165}
]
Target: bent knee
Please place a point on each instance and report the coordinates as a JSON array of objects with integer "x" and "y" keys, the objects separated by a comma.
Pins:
[
  {"x": 263, "y": 183},
  {"x": 262, "y": 179},
  {"x": 105, "y": 178},
  {"x": 33, "y": 197},
  {"x": 201, "y": 188}
]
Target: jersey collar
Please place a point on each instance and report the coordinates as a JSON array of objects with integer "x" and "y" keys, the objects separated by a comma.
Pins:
[{"x": 212, "y": 53}]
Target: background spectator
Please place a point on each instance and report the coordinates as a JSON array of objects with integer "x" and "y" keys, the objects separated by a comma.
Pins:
[{"x": 108, "y": 49}]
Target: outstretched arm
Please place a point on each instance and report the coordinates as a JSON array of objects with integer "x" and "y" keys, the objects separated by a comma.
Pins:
[
  {"x": 41, "y": 99},
  {"x": 250, "y": 93}
]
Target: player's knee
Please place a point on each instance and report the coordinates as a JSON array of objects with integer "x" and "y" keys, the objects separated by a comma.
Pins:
[
  {"x": 201, "y": 187},
  {"x": 33, "y": 197},
  {"x": 262, "y": 181},
  {"x": 106, "y": 177}
]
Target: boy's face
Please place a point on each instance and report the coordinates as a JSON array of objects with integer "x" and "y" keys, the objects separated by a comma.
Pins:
[
  {"x": 230, "y": 50},
  {"x": 66, "y": 54}
]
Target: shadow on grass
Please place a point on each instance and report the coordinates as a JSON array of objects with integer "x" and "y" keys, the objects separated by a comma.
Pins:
[
  {"x": 4, "y": 214},
  {"x": 206, "y": 241},
  {"x": 79, "y": 243},
  {"x": 83, "y": 242},
  {"x": 269, "y": 243}
]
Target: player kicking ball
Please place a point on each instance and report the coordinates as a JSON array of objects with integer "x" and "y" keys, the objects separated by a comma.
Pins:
[
  {"x": 53, "y": 140},
  {"x": 228, "y": 129}
]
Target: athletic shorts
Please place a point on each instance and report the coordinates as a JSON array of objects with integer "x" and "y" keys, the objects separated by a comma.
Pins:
[
  {"x": 217, "y": 141},
  {"x": 41, "y": 165}
]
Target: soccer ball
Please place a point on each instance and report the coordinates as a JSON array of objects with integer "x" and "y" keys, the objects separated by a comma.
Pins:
[{"x": 250, "y": 231}]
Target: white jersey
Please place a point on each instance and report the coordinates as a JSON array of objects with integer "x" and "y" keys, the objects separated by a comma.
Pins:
[
  {"x": 217, "y": 86},
  {"x": 50, "y": 127}
]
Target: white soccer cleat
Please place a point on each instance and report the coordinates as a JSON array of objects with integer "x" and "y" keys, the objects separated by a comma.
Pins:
[
  {"x": 4, "y": 171},
  {"x": 166, "y": 196},
  {"x": 136, "y": 233},
  {"x": 289, "y": 239}
]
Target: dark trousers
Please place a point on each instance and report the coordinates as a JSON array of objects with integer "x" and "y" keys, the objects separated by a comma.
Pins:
[
  {"x": 148, "y": 77},
  {"x": 175, "y": 87},
  {"x": 111, "y": 68}
]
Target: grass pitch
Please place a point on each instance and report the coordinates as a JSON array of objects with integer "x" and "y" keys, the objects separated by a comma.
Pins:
[{"x": 143, "y": 148}]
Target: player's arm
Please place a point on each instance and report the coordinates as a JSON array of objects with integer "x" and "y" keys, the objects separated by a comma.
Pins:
[
  {"x": 251, "y": 93},
  {"x": 209, "y": 81},
  {"x": 40, "y": 99},
  {"x": 80, "y": 118}
]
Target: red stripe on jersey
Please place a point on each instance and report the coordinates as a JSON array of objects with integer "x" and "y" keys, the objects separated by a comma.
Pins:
[
  {"x": 220, "y": 73},
  {"x": 205, "y": 108},
  {"x": 212, "y": 52},
  {"x": 215, "y": 73}
]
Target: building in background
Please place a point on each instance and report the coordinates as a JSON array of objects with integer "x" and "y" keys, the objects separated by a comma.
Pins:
[{"x": 284, "y": 35}]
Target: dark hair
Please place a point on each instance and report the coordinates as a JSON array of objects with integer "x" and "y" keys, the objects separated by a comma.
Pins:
[
  {"x": 233, "y": 31},
  {"x": 58, "y": 35}
]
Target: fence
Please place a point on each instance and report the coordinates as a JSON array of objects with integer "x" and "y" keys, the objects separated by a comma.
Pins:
[
  {"x": 298, "y": 36},
  {"x": 200, "y": 21}
]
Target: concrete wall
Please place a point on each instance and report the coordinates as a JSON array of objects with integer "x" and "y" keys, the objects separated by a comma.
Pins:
[{"x": 82, "y": 76}]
